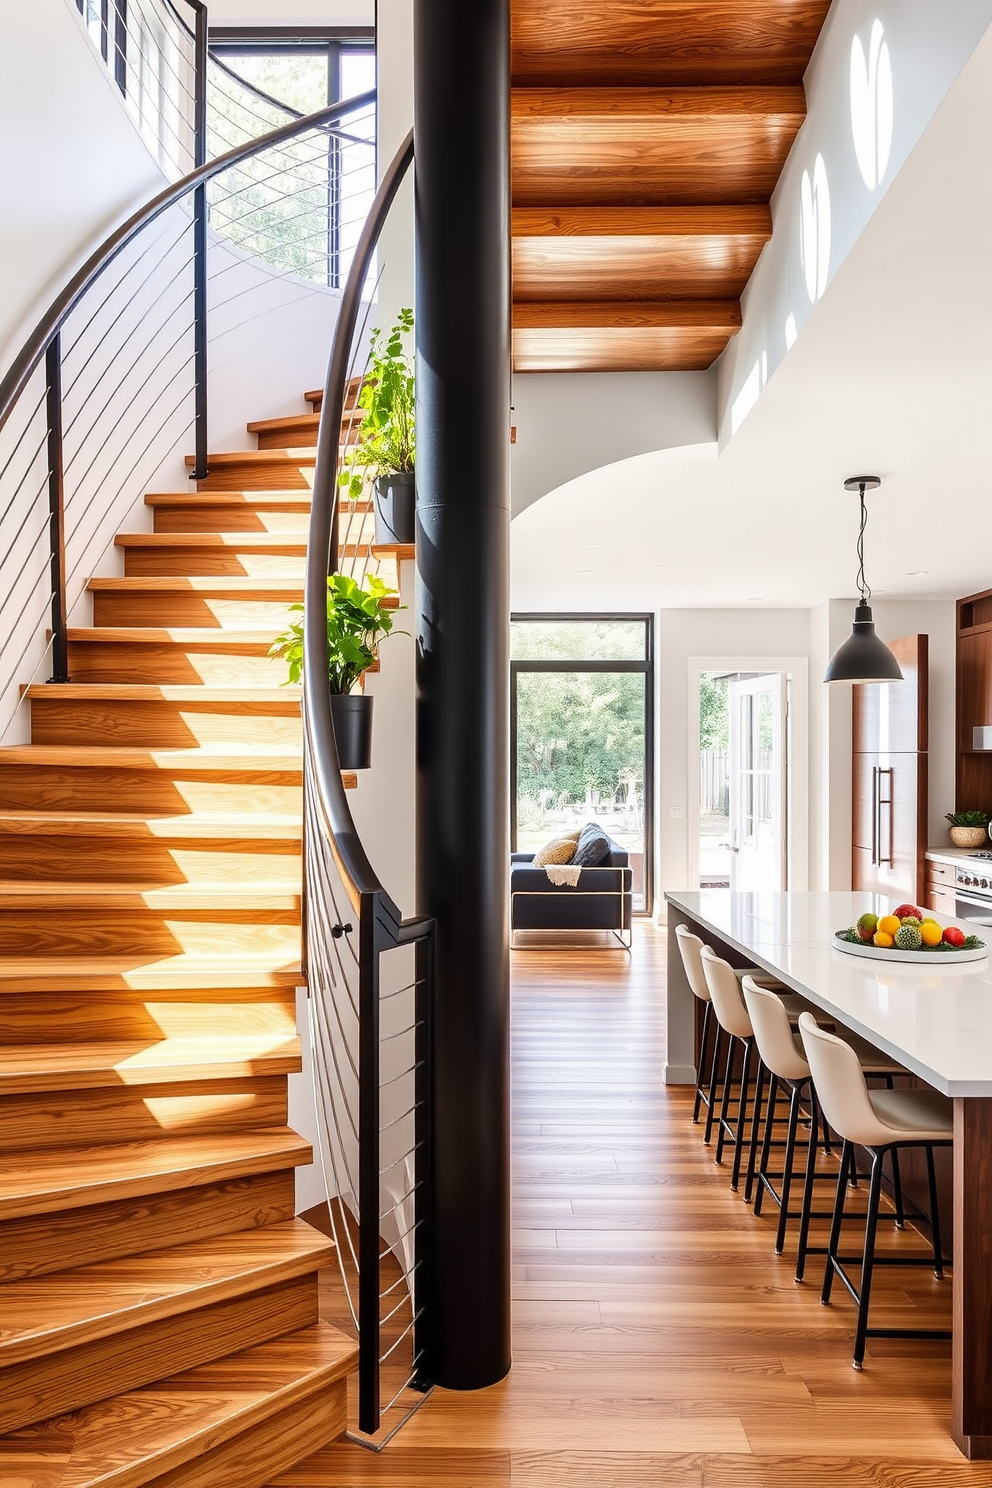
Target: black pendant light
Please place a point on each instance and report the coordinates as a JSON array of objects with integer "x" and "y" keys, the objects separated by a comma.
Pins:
[{"x": 863, "y": 657}]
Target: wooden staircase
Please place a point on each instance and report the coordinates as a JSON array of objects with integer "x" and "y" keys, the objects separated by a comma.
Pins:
[{"x": 159, "y": 1299}]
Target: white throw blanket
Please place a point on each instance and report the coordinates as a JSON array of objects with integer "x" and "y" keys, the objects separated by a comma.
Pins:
[{"x": 563, "y": 875}]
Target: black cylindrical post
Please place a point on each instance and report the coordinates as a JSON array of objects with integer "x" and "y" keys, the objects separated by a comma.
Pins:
[{"x": 461, "y": 132}]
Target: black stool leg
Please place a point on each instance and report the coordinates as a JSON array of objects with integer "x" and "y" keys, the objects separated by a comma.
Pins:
[
  {"x": 766, "y": 1143},
  {"x": 835, "y": 1223},
  {"x": 708, "y": 1008},
  {"x": 790, "y": 1157},
  {"x": 868, "y": 1261},
  {"x": 725, "y": 1102},
  {"x": 735, "y": 1174},
  {"x": 938, "y": 1254},
  {"x": 897, "y": 1191},
  {"x": 752, "y": 1149},
  {"x": 714, "y": 1081},
  {"x": 808, "y": 1186}
]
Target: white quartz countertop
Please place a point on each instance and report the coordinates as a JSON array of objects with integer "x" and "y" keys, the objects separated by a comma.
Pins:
[{"x": 937, "y": 1020}]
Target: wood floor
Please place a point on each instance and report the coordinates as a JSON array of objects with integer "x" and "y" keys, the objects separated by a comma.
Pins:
[{"x": 657, "y": 1339}]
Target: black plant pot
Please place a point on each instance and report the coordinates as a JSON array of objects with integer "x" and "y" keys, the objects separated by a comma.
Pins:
[
  {"x": 395, "y": 508},
  {"x": 352, "y": 717}
]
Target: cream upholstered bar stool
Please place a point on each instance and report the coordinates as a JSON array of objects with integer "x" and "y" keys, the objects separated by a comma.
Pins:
[
  {"x": 731, "y": 1014},
  {"x": 883, "y": 1121},
  {"x": 781, "y": 1051},
  {"x": 690, "y": 947}
]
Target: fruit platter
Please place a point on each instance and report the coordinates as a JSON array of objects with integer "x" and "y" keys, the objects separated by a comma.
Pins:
[{"x": 909, "y": 934}]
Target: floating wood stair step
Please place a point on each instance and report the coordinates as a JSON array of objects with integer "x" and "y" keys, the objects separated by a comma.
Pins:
[
  {"x": 151, "y": 973},
  {"x": 213, "y": 655},
  {"x": 300, "y": 430},
  {"x": 231, "y": 1423},
  {"x": 192, "y": 601},
  {"x": 59, "y": 1066},
  {"x": 90, "y": 778},
  {"x": 316, "y": 398},
  {"x": 163, "y": 716},
  {"x": 48, "y": 1181},
  {"x": 249, "y": 554},
  {"x": 240, "y": 511},
  {"x": 115, "y": 898},
  {"x": 173, "y": 1024},
  {"x": 285, "y": 469},
  {"x": 91, "y": 1302},
  {"x": 401, "y": 552}
]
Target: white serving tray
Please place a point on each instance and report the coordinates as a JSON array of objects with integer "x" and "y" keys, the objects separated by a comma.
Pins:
[{"x": 934, "y": 959}]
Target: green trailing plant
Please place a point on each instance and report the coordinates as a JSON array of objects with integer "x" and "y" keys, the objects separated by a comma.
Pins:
[
  {"x": 968, "y": 818},
  {"x": 357, "y": 620},
  {"x": 387, "y": 434}
]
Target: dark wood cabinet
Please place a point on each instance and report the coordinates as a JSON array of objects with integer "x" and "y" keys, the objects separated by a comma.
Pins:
[
  {"x": 890, "y": 779},
  {"x": 974, "y": 701}
]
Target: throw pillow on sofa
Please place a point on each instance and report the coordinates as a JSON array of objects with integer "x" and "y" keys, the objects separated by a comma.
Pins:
[
  {"x": 556, "y": 852},
  {"x": 593, "y": 847}
]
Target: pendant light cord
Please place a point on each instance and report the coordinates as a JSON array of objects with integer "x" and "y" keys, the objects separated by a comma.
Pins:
[{"x": 863, "y": 584}]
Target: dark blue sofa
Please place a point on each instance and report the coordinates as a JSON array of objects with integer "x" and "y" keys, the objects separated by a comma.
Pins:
[{"x": 601, "y": 900}]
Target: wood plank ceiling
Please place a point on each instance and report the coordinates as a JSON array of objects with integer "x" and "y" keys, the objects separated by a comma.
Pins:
[{"x": 647, "y": 137}]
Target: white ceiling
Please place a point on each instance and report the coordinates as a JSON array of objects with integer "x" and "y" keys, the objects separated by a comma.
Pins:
[{"x": 891, "y": 375}]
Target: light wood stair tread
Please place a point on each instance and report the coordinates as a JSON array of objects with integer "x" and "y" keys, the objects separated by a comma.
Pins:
[
  {"x": 224, "y": 459},
  {"x": 153, "y": 1433},
  {"x": 75, "y": 894},
  {"x": 40, "y": 1181},
  {"x": 193, "y": 583},
  {"x": 287, "y": 698},
  {"x": 289, "y": 542},
  {"x": 307, "y": 421},
  {"x": 237, "y": 827},
  {"x": 90, "y": 1066},
  {"x": 225, "y": 758},
  {"x": 156, "y": 974},
  {"x": 71, "y": 1307},
  {"x": 177, "y": 635},
  {"x": 297, "y": 500},
  {"x": 402, "y": 552}
]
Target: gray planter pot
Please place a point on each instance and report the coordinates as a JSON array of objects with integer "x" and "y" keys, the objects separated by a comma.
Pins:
[
  {"x": 352, "y": 718},
  {"x": 395, "y": 508}
]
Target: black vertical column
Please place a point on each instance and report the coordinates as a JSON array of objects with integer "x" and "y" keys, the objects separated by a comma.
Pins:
[{"x": 461, "y": 131}]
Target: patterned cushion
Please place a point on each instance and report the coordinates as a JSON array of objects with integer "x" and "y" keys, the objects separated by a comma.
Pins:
[
  {"x": 558, "y": 850},
  {"x": 593, "y": 847}
]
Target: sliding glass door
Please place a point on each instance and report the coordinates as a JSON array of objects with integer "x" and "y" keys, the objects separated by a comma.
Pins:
[{"x": 582, "y": 711}]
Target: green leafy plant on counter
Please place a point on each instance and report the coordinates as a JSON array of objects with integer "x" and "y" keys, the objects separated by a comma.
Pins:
[
  {"x": 968, "y": 818},
  {"x": 357, "y": 620},
  {"x": 387, "y": 443}
]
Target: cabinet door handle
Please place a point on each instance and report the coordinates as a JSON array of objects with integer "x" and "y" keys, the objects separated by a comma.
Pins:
[
  {"x": 874, "y": 816},
  {"x": 886, "y": 802}
]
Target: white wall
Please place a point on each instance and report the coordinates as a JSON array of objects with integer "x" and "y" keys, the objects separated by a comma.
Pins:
[
  {"x": 569, "y": 423},
  {"x": 928, "y": 46},
  {"x": 292, "y": 13},
  {"x": 72, "y": 165}
]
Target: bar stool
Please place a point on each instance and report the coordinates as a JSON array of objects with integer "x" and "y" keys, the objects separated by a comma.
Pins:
[
  {"x": 732, "y": 1017},
  {"x": 782, "y": 1054},
  {"x": 882, "y": 1121},
  {"x": 690, "y": 947}
]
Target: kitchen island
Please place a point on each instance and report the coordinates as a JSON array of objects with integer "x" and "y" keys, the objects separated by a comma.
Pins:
[{"x": 936, "y": 1019}]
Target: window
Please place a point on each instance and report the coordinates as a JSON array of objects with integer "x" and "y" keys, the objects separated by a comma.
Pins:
[
  {"x": 582, "y": 727},
  {"x": 301, "y": 209}
]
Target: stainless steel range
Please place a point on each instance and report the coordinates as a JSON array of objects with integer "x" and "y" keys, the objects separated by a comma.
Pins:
[{"x": 973, "y": 888}]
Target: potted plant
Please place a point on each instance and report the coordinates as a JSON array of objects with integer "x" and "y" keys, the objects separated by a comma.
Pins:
[
  {"x": 357, "y": 619},
  {"x": 386, "y": 447},
  {"x": 968, "y": 828}
]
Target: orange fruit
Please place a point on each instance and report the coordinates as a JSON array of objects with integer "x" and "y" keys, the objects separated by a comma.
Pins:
[
  {"x": 931, "y": 932},
  {"x": 881, "y": 938},
  {"x": 888, "y": 925}
]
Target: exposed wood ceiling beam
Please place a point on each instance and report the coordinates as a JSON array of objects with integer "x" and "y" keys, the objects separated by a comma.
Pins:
[{"x": 643, "y": 42}]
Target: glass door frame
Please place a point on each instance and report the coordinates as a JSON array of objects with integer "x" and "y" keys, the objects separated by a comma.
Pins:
[{"x": 624, "y": 665}]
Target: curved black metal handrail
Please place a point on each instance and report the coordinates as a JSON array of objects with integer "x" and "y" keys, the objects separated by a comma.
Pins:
[
  {"x": 322, "y": 553},
  {"x": 65, "y": 302}
]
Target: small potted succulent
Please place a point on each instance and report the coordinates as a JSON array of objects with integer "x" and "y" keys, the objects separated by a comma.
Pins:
[
  {"x": 386, "y": 446},
  {"x": 357, "y": 620},
  {"x": 968, "y": 828}
]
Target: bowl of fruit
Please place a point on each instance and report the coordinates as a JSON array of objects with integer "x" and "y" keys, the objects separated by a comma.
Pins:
[{"x": 909, "y": 934}]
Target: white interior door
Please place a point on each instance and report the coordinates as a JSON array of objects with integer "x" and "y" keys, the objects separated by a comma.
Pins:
[{"x": 758, "y": 766}]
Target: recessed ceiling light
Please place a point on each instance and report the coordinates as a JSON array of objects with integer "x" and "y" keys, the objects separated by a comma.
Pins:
[{"x": 916, "y": 573}]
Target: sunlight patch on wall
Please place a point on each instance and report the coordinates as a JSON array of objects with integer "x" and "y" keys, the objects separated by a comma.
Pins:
[
  {"x": 814, "y": 234},
  {"x": 872, "y": 105}
]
